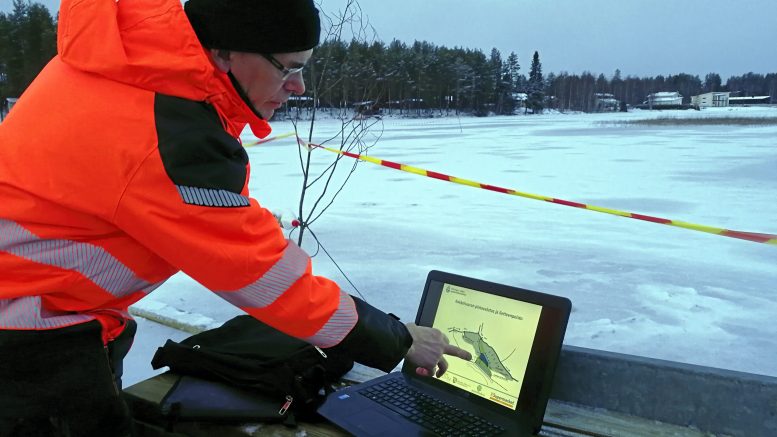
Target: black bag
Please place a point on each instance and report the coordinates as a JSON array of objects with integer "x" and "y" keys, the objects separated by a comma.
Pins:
[{"x": 247, "y": 371}]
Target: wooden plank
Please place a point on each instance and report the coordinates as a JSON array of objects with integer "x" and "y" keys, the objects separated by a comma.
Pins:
[
  {"x": 153, "y": 389},
  {"x": 260, "y": 430}
]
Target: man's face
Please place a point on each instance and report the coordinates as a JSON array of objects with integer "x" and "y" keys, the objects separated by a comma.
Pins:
[{"x": 263, "y": 82}]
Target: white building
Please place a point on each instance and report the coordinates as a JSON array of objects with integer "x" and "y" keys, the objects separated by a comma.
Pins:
[
  {"x": 606, "y": 102},
  {"x": 664, "y": 98},
  {"x": 752, "y": 100},
  {"x": 713, "y": 99},
  {"x": 520, "y": 97}
]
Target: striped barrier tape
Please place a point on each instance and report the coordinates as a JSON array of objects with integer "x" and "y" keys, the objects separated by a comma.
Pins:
[
  {"x": 267, "y": 140},
  {"x": 749, "y": 236}
]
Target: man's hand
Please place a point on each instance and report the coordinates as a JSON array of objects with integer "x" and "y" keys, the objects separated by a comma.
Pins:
[{"x": 429, "y": 345}]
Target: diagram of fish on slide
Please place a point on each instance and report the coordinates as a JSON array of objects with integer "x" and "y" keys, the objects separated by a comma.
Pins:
[{"x": 499, "y": 333}]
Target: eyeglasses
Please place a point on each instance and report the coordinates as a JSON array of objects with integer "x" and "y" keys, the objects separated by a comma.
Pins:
[{"x": 287, "y": 72}]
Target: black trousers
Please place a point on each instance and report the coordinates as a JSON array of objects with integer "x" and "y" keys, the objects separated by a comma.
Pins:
[{"x": 63, "y": 382}]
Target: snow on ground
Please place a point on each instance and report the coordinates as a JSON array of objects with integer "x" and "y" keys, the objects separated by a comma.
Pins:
[{"x": 637, "y": 287}]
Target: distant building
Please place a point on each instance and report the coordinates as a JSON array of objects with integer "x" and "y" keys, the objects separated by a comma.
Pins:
[
  {"x": 406, "y": 104},
  {"x": 366, "y": 109},
  {"x": 299, "y": 100},
  {"x": 713, "y": 99},
  {"x": 606, "y": 102},
  {"x": 365, "y": 106},
  {"x": 520, "y": 97},
  {"x": 745, "y": 101},
  {"x": 664, "y": 98}
]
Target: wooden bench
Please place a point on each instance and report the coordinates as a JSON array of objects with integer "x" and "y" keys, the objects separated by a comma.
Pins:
[{"x": 561, "y": 418}]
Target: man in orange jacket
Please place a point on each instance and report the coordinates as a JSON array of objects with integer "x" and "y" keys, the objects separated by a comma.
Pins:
[{"x": 121, "y": 165}]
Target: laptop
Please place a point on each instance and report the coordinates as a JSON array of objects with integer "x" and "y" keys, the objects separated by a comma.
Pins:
[{"x": 514, "y": 336}]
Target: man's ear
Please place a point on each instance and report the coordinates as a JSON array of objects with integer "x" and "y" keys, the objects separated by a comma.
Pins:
[{"x": 221, "y": 58}]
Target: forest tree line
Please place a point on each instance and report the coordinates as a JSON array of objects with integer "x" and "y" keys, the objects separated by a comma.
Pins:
[
  {"x": 28, "y": 41},
  {"x": 438, "y": 78},
  {"x": 418, "y": 78}
]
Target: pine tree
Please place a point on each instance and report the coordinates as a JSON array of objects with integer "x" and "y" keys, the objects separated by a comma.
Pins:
[
  {"x": 512, "y": 67},
  {"x": 536, "y": 86},
  {"x": 602, "y": 85},
  {"x": 27, "y": 43},
  {"x": 617, "y": 86},
  {"x": 510, "y": 81},
  {"x": 712, "y": 82},
  {"x": 5, "y": 45},
  {"x": 499, "y": 88},
  {"x": 535, "y": 74}
]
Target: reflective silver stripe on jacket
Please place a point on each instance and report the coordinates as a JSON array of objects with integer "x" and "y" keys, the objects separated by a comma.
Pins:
[
  {"x": 28, "y": 313},
  {"x": 211, "y": 197},
  {"x": 265, "y": 290},
  {"x": 338, "y": 326},
  {"x": 93, "y": 262}
]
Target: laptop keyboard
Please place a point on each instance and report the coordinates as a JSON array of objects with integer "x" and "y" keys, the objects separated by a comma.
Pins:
[{"x": 432, "y": 414}]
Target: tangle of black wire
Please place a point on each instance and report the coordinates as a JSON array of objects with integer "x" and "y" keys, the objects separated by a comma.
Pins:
[{"x": 321, "y": 247}]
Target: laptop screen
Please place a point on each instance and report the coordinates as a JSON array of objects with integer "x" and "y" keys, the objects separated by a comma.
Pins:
[{"x": 499, "y": 333}]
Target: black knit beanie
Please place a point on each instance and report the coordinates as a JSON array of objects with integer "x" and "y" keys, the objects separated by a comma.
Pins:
[{"x": 255, "y": 26}]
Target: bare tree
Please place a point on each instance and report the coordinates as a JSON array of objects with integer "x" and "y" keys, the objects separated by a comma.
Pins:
[{"x": 358, "y": 131}]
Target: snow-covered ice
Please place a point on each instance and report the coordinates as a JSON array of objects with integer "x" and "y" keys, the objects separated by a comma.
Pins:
[{"x": 637, "y": 287}]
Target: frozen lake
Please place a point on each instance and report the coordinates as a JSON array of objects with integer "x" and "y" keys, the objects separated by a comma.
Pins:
[{"x": 637, "y": 287}]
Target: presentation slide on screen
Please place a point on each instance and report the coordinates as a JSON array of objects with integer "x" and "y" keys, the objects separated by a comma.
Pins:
[{"x": 498, "y": 331}]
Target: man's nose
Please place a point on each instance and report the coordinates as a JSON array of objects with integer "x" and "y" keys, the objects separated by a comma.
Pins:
[{"x": 295, "y": 84}]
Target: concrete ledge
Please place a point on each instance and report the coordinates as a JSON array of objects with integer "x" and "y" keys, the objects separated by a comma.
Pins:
[
  {"x": 173, "y": 317},
  {"x": 712, "y": 400}
]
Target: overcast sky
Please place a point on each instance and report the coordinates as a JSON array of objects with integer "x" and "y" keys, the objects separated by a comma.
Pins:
[{"x": 639, "y": 37}]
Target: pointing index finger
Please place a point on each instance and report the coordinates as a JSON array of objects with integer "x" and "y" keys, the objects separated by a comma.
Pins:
[{"x": 456, "y": 351}]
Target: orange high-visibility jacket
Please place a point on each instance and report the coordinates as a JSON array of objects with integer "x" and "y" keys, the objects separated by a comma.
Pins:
[{"x": 120, "y": 165}]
